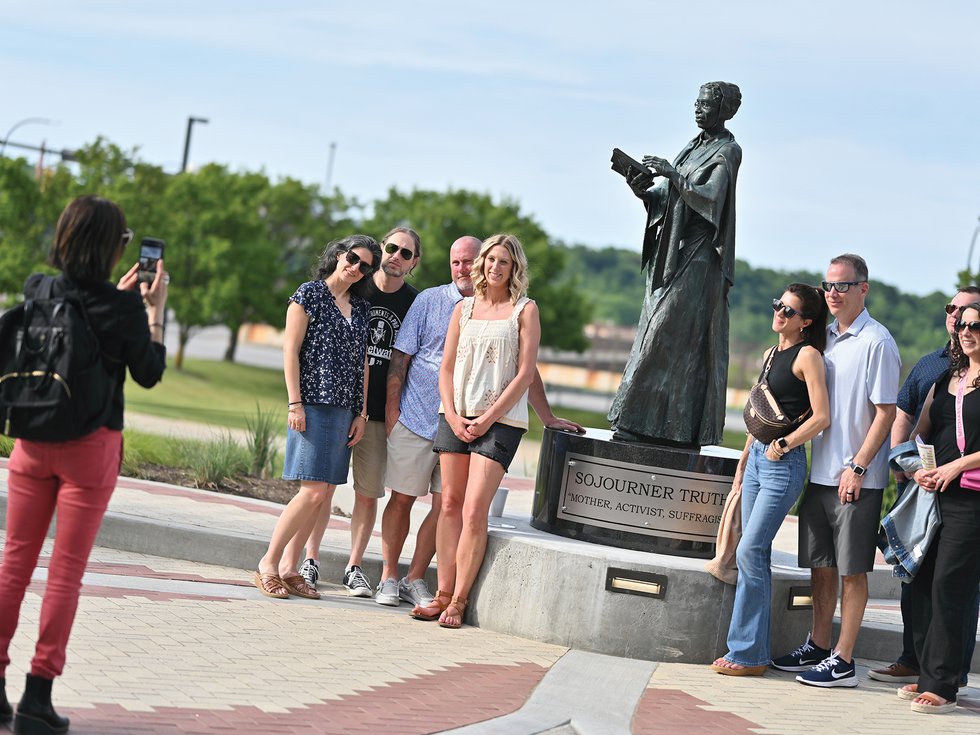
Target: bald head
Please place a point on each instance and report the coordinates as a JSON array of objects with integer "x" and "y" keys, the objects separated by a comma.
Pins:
[{"x": 461, "y": 256}]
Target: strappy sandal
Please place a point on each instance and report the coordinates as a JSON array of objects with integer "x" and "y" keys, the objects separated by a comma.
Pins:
[
  {"x": 270, "y": 585},
  {"x": 423, "y": 612},
  {"x": 459, "y": 605},
  {"x": 297, "y": 585}
]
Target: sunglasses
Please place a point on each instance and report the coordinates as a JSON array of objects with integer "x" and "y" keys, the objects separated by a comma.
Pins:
[
  {"x": 972, "y": 326},
  {"x": 406, "y": 254},
  {"x": 788, "y": 311},
  {"x": 354, "y": 259},
  {"x": 127, "y": 237},
  {"x": 951, "y": 308},
  {"x": 841, "y": 286}
]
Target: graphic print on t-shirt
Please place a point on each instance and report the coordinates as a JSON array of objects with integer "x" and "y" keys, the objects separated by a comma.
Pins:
[
  {"x": 384, "y": 320},
  {"x": 383, "y": 326}
]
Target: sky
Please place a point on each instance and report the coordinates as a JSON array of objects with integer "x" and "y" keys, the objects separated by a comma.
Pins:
[{"x": 858, "y": 120}]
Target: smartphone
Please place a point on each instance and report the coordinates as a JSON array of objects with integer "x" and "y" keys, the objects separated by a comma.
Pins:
[{"x": 151, "y": 250}]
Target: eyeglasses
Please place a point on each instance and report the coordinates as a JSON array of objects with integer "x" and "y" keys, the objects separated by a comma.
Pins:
[
  {"x": 788, "y": 311},
  {"x": 406, "y": 254},
  {"x": 951, "y": 309},
  {"x": 972, "y": 326},
  {"x": 841, "y": 286},
  {"x": 127, "y": 237},
  {"x": 363, "y": 266}
]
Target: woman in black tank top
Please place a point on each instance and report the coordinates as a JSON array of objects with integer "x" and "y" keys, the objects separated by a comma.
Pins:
[
  {"x": 946, "y": 584},
  {"x": 770, "y": 478}
]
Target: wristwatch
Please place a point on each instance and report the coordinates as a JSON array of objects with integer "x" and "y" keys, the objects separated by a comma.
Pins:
[
  {"x": 782, "y": 443},
  {"x": 857, "y": 469}
]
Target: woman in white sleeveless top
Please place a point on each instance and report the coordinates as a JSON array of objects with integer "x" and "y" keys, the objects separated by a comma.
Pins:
[{"x": 488, "y": 363}]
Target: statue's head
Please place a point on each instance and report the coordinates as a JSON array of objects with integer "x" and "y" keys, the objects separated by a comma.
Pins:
[{"x": 726, "y": 99}]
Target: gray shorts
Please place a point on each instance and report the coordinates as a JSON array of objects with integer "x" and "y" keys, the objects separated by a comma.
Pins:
[
  {"x": 499, "y": 443},
  {"x": 839, "y": 535}
]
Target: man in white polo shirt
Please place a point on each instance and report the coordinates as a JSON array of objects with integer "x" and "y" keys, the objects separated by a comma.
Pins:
[{"x": 841, "y": 509}]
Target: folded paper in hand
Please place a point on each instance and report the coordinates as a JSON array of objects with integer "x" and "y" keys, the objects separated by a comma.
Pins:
[{"x": 927, "y": 453}]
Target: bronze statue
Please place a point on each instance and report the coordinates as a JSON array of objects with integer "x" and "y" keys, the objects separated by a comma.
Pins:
[{"x": 673, "y": 388}]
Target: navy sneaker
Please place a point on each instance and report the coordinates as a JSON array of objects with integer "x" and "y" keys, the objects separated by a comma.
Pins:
[
  {"x": 833, "y": 671},
  {"x": 803, "y": 658}
]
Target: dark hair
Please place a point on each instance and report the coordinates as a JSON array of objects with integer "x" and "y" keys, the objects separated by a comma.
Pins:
[
  {"x": 88, "y": 238},
  {"x": 728, "y": 95},
  {"x": 411, "y": 233},
  {"x": 327, "y": 262},
  {"x": 855, "y": 261},
  {"x": 959, "y": 362},
  {"x": 815, "y": 309},
  {"x": 972, "y": 290}
]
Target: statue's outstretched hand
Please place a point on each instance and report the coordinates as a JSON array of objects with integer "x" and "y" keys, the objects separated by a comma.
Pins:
[{"x": 660, "y": 166}]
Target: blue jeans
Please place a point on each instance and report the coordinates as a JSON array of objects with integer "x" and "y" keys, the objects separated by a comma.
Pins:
[{"x": 769, "y": 490}]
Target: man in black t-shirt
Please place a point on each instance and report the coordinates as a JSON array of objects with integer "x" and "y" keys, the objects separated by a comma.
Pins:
[{"x": 401, "y": 250}]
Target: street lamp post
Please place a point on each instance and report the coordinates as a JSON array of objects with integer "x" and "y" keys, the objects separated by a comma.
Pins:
[
  {"x": 187, "y": 138},
  {"x": 25, "y": 121},
  {"x": 969, "y": 257}
]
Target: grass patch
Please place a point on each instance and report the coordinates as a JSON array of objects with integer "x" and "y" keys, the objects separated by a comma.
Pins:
[{"x": 213, "y": 392}]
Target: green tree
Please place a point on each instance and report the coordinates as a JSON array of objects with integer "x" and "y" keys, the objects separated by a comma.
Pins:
[{"x": 442, "y": 217}]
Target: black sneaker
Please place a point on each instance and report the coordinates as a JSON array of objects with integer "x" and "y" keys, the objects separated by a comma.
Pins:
[
  {"x": 803, "y": 658},
  {"x": 310, "y": 571},
  {"x": 356, "y": 583},
  {"x": 833, "y": 671}
]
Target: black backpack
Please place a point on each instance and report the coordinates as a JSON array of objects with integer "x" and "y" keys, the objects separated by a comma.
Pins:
[{"x": 54, "y": 385}]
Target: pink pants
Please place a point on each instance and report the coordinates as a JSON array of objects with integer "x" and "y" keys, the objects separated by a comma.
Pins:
[{"x": 76, "y": 478}]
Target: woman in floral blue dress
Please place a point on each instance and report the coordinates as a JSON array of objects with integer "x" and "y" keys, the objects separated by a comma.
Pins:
[{"x": 324, "y": 361}]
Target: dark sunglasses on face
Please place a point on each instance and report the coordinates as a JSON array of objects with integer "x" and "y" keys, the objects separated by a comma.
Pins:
[
  {"x": 355, "y": 259},
  {"x": 788, "y": 311},
  {"x": 972, "y": 326},
  {"x": 404, "y": 252},
  {"x": 951, "y": 308},
  {"x": 841, "y": 286}
]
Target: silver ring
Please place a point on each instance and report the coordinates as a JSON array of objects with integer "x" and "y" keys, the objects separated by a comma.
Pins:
[{"x": 166, "y": 278}]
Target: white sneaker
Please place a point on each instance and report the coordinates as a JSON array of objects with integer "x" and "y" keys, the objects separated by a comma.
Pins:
[
  {"x": 414, "y": 592},
  {"x": 310, "y": 572},
  {"x": 387, "y": 593}
]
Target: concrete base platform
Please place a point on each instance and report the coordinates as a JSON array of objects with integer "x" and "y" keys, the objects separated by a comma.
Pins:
[{"x": 553, "y": 589}]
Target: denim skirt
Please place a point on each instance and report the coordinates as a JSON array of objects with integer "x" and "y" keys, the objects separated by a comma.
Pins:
[{"x": 319, "y": 454}]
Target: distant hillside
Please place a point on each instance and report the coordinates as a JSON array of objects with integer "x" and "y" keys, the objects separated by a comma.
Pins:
[{"x": 612, "y": 281}]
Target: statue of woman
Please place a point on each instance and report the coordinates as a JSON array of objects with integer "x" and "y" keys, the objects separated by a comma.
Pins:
[{"x": 673, "y": 388}]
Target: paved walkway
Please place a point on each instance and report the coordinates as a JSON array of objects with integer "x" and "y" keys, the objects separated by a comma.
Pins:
[{"x": 168, "y": 646}]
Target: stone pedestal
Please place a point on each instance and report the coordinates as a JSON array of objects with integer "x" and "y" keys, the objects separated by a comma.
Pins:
[{"x": 642, "y": 497}]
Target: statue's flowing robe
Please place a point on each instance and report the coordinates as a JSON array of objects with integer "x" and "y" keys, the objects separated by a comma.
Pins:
[{"x": 673, "y": 388}]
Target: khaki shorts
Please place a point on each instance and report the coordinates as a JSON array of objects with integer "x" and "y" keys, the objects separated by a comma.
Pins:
[
  {"x": 413, "y": 468},
  {"x": 370, "y": 458}
]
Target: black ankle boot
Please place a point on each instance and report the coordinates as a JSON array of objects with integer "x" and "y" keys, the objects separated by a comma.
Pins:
[
  {"x": 35, "y": 715},
  {"x": 5, "y": 710}
]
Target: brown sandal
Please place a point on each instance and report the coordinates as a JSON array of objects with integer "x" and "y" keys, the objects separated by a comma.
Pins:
[
  {"x": 270, "y": 585},
  {"x": 458, "y": 604},
  {"x": 298, "y": 586},
  {"x": 422, "y": 612}
]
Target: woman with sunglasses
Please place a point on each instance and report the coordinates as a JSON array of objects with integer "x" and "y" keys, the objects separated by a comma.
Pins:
[
  {"x": 943, "y": 590},
  {"x": 770, "y": 477},
  {"x": 75, "y": 477},
  {"x": 325, "y": 365}
]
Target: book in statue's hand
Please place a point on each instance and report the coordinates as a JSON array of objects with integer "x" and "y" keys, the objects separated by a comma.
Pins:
[{"x": 628, "y": 166}]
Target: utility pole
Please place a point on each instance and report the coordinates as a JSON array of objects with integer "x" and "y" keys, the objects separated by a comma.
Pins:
[{"x": 187, "y": 138}]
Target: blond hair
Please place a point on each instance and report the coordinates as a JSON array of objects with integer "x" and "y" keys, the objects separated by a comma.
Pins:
[{"x": 518, "y": 273}]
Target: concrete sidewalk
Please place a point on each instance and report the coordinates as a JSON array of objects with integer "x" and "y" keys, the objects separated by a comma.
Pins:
[{"x": 165, "y": 645}]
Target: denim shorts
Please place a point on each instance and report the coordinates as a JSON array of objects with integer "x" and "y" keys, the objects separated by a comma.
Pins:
[
  {"x": 320, "y": 454},
  {"x": 499, "y": 443}
]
